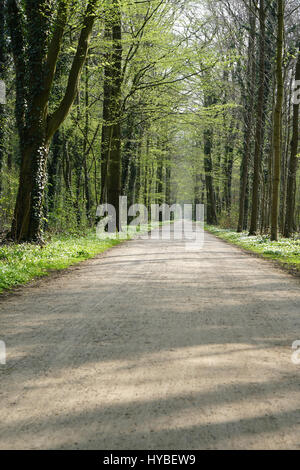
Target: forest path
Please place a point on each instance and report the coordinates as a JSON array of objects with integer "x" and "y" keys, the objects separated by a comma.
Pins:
[{"x": 153, "y": 347}]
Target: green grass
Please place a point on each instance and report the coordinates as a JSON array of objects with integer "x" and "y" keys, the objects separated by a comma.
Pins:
[
  {"x": 286, "y": 251},
  {"x": 22, "y": 263}
]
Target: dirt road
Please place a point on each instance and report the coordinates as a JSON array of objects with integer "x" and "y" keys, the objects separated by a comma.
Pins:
[{"x": 153, "y": 347}]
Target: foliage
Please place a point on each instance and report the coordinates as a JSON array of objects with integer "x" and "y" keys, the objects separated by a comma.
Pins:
[
  {"x": 20, "y": 263},
  {"x": 285, "y": 251},
  {"x": 181, "y": 106}
]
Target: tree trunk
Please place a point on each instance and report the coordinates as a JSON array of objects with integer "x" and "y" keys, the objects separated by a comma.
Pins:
[
  {"x": 248, "y": 118},
  {"x": 293, "y": 165},
  {"x": 114, "y": 165},
  {"x": 208, "y": 167},
  {"x": 168, "y": 183},
  {"x": 128, "y": 152},
  {"x": 259, "y": 122},
  {"x": 286, "y": 138},
  {"x": 106, "y": 124},
  {"x": 35, "y": 72},
  {"x": 2, "y": 77},
  {"x": 277, "y": 124},
  {"x": 229, "y": 149},
  {"x": 53, "y": 169},
  {"x": 88, "y": 197},
  {"x": 210, "y": 193},
  {"x": 26, "y": 225}
]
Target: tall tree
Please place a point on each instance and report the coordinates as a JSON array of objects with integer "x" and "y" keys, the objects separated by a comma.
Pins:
[
  {"x": 35, "y": 58},
  {"x": 248, "y": 116},
  {"x": 3, "y": 63},
  {"x": 293, "y": 163},
  {"x": 208, "y": 167},
  {"x": 259, "y": 121},
  {"x": 114, "y": 165},
  {"x": 277, "y": 122}
]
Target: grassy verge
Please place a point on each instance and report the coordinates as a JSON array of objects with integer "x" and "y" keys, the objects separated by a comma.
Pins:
[
  {"x": 22, "y": 263},
  {"x": 285, "y": 252}
]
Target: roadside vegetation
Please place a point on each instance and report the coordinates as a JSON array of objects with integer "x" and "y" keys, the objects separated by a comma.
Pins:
[
  {"x": 24, "y": 262},
  {"x": 21, "y": 263},
  {"x": 286, "y": 251}
]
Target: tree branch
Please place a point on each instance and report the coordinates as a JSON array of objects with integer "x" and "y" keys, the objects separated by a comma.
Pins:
[
  {"x": 63, "y": 109},
  {"x": 55, "y": 45}
]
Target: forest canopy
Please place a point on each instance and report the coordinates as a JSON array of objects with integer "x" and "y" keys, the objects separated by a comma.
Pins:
[{"x": 163, "y": 101}]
